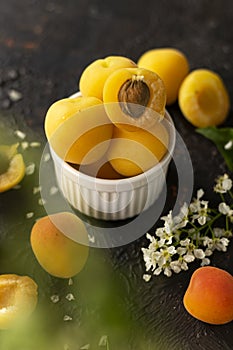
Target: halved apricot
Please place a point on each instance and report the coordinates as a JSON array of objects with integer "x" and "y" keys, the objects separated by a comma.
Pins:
[
  {"x": 134, "y": 98},
  {"x": 12, "y": 167},
  {"x": 18, "y": 299}
]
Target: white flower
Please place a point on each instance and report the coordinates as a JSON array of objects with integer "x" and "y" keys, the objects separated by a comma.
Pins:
[
  {"x": 167, "y": 271},
  {"x": 223, "y": 184},
  {"x": 199, "y": 208},
  {"x": 219, "y": 232},
  {"x": 189, "y": 257},
  {"x": 205, "y": 261},
  {"x": 224, "y": 209},
  {"x": 199, "y": 253}
]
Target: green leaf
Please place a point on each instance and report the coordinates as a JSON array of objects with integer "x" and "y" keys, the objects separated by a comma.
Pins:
[{"x": 221, "y": 137}]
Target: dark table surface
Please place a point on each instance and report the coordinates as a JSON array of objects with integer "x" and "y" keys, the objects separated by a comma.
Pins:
[{"x": 47, "y": 44}]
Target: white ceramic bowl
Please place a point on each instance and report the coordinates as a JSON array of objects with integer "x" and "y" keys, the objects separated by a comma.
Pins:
[{"x": 114, "y": 199}]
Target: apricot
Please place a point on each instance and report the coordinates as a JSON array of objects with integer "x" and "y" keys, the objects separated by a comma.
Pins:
[
  {"x": 139, "y": 98},
  {"x": 170, "y": 64},
  {"x": 12, "y": 167},
  {"x": 101, "y": 169},
  {"x": 94, "y": 75},
  {"x": 60, "y": 244},
  {"x": 78, "y": 129},
  {"x": 209, "y": 296},
  {"x": 203, "y": 98},
  {"x": 18, "y": 299},
  {"x": 132, "y": 153}
]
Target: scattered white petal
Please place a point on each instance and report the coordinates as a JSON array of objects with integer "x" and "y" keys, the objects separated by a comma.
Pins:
[
  {"x": 91, "y": 239},
  {"x": 70, "y": 282},
  {"x": 36, "y": 189},
  {"x": 55, "y": 298},
  {"x": 21, "y": 135},
  {"x": 67, "y": 318},
  {"x": 35, "y": 144},
  {"x": 30, "y": 169},
  {"x": 146, "y": 277},
  {"x": 53, "y": 190},
  {"x": 228, "y": 145},
  {"x": 41, "y": 201},
  {"x": 47, "y": 157},
  {"x": 24, "y": 145},
  {"x": 29, "y": 215},
  {"x": 14, "y": 95},
  {"x": 16, "y": 187},
  {"x": 85, "y": 347},
  {"x": 70, "y": 297},
  {"x": 103, "y": 340}
]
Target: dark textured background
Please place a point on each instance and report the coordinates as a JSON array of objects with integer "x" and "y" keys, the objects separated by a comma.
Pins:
[{"x": 49, "y": 44}]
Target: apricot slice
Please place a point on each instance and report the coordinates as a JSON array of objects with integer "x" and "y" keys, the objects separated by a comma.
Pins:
[
  {"x": 101, "y": 169},
  {"x": 78, "y": 129},
  {"x": 12, "y": 168},
  {"x": 18, "y": 299},
  {"x": 139, "y": 97},
  {"x": 170, "y": 64},
  {"x": 132, "y": 153},
  {"x": 94, "y": 75},
  {"x": 209, "y": 296},
  {"x": 55, "y": 243},
  {"x": 203, "y": 98}
]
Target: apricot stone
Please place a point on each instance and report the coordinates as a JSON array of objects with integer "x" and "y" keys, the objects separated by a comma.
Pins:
[
  {"x": 60, "y": 244},
  {"x": 78, "y": 129},
  {"x": 134, "y": 96},
  {"x": 132, "y": 153},
  {"x": 203, "y": 98},
  {"x": 94, "y": 75},
  {"x": 209, "y": 296},
  {"x": 170, "y": 64},
  {"x": 18, "y": 299}
]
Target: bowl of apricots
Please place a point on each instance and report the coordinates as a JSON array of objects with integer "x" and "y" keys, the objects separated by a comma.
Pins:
[{"x": 113, "y": 140}]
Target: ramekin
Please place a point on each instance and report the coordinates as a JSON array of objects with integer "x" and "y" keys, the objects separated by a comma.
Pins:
[{"x": 114, "y": 199}]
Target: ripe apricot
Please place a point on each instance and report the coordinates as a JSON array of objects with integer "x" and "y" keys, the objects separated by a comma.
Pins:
[
  {"x": 170, "y": 64},
  {"x": 203, "y": 98},
  {"x": 132, "y": 153},
  {"x": 94, "y": 75},
  {"x": 12, "y": 167},
  {"x": 139, "y": 98},
  {"x": 54, "y": 240},
  {"x": 101, "y": 169},
  {"x": 209, "y": 296},
  {"x": 18, "y": 299},
  {"x": 78, "y": 129}
]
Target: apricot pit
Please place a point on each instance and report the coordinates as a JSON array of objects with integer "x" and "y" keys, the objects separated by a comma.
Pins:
[{"x": 134, "y": 98}]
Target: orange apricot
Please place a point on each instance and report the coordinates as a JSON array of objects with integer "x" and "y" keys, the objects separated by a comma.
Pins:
[
  {"x": 132, "y": 153},
  {"x": 170, "y": 64},
  {"x": 209, "y": 296},
  {"x": 55, "y": 243},
  {"x": 134, "y": 98},
  {"x": 18, "y": 299},
  {"x": 78, "y": 129},
  {"x": 95, "y": 74}
]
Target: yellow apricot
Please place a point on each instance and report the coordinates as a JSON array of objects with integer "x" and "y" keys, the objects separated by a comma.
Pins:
[
  {"x": 78, "y": 129},
  {"x": 12, "y": 167},
  {"x": 209, "y": 296},
  {"x": 203, "y": 98},
  {"x": 18, "y": 299},
  {"x": 94, "y": 75},
  {"x": 54, "y": 240},
  {"x": 139, "y": 98},
  {"x": 132, "y": 153},
  {"x": 170, "y": 64}
]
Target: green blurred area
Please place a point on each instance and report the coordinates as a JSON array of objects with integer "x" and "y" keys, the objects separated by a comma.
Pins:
[{"x": 99, "y": 310}]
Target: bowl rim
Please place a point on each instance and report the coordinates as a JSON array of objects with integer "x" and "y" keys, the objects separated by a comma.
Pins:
[{"x": 137, "y": 179}]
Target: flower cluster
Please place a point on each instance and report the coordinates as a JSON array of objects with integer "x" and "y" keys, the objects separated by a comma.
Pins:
[{"x": 192, "y": 234}]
